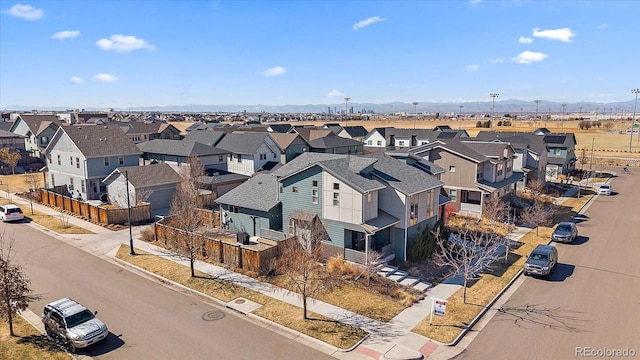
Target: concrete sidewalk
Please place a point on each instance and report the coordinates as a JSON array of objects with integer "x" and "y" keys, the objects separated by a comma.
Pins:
[{"x": 392, "y": 340}]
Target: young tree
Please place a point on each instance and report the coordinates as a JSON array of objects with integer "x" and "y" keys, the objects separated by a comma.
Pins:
[
  {"x": 10, "y": 158},
  {"x": 469, "y": 252},
  {"x": 537, "y": 214},
  {"x": 299, "y": 261},
  {"x": 33, "y": 182},
  {"x": 184, "y": 213},
  {"x": 14, "y": 285}
]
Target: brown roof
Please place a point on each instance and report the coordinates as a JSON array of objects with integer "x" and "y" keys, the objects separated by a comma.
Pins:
[
  {"x": 100, "y": 140},
  {"x": 283, "y": 140},
  {"x": 150, "y": 175},
  {"x": 35, "y": 121}
]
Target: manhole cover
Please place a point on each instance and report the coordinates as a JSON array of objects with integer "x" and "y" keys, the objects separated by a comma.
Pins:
[
  {"x": 212, "y": 315},
  {"x": 240, "y": 301}
]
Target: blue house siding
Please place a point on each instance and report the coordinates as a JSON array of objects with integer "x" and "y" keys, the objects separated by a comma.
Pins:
[
  {"x": 302, "y": 199},
  {"x": 244, "y": 219}
]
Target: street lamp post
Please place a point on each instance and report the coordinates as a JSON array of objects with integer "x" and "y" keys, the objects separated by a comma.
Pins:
[
  {"x": 460, "y": 117},
  {"x": 131, "y": 252},
  {"x": 564, "y": 109},
  {"x": 493, "y": 103},
  {"x": 535, "y": 119},
  {"x": 633, "y": 119},
  {"x": 346, "y": 109},
  {"x": 415, "y": 113}
]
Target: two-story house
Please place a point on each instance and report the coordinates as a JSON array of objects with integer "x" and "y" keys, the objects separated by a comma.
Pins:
[
  {"x": 249, "y": 152},
  {"x": 37, "y": 130},
  {"x": 79, "y": 157},
  {"x": 353, "y": 132},
  {"x": 403, "y": 138},
  {"x": 177, "y": 153},
  {"x": 140, "y": 131},
  {"x": 474, "y": 171},
  {"x": 364, "y": 203}
]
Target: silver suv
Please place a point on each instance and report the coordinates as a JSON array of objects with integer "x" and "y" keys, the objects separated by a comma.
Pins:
[
  {"x": 542, "y": 261},
  {"x": 565, "y": 232},
  {"x": 73, "y": 323}
]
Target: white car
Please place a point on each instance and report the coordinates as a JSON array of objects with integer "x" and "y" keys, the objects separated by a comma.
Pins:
[
  {"x": 605, "y": 189},
  {"x": 11, "y": 212}
]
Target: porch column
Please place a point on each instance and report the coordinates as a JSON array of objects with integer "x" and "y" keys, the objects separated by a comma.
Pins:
[{"x": 366, "y": 248}]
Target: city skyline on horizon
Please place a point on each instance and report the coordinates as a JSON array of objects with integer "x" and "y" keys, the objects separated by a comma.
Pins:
[{"x": 278, "y": 53}]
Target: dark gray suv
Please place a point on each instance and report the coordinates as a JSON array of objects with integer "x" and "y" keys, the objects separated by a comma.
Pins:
[
  {"x": 73, "y": 323},
  {"x": 542, "y": 261},
  {"x": 565, "y": 232}
]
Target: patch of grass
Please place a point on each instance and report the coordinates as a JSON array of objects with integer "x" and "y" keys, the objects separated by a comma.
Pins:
[
  {"x": 446, "y": 328},
  {"x": 56, "y": 223},
  {"x": 28, "y": 344},
  {"x": 18, "y": 183},
  {"x": 319, "y": 327}
]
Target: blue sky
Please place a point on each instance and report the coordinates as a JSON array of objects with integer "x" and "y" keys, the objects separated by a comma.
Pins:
[{"x": 123, "y": 53}]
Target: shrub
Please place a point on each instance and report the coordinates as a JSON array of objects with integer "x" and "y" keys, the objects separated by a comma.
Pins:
[
  {"x": 479, "y": 123},
  {"x": 147, "y": 235}
]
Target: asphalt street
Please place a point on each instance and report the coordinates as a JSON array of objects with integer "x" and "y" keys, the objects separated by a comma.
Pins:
[
  {"x": 590, "y": 305},
  {"x": 146, "y": 320}
]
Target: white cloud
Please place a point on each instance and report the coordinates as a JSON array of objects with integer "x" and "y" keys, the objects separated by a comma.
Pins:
[
  {"x": 274, "y": 71},
  {"x": 104, "y": 78},
  {"x": 475, "y": 2},
  {"x": 472, "y": 67},
  {"x": 564, "y": 34},
  {"x": 26, "y": 12},
  {"x": 67, "y": 34},
  {"x": 334, "y": 93},
  {"x": 525, "y": 40},
  {"x": 364, "y": 23},
  {"x": 77, "y": 80},
  {"x": 124, "y": 43},
  {"x": 497, "y": 60},
  {"x": 527, "y": 57},
  {"x": 604, "y": 26}
]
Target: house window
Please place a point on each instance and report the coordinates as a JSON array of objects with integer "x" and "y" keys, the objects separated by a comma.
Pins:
[
  {"x": 452, "y": 168},
  {"x": 479, "y": 175},
  {"x": 314, "y": 183},
  {"x": 379, "y": 142},
  {"x": 499, "y": 169},
  {"x": 336, "y": 199},
  {"x": 294, "y": 189},
  {"x": 292, "y": 226},
  {"x": 49, "y": 158},
  {"x": 59, "y": 160},
  {"x": 239, "y": 158},
  {"x": 336, "y": 186},
  {"x": 106, "y": 161},
  {"x": 453, "y": 194},
  {"x": 280, "y": 189},
  {"x": 78, "y": 165},
  {"x": 509, "y": 165},
  {"x": 430, "y": 203},
  {"x": 53, "y": 180},
  {"x": 369, "y": 142},
  {"x": 401, "y": 143},
  {"x": 233, "y": 209},
  {"x": 121, "y": 160},
  {"x": 369, "y": 197},
  {"x": 71, "y": 160},
  {"x": 220, "y": 158},
  {"x": 413, "y": 215},
  {"x": 82, "y": 186},
  {"x": 314, "y": 196},
  {"x": 263, "y": 156},
  {"x": 71, "y": 184}
]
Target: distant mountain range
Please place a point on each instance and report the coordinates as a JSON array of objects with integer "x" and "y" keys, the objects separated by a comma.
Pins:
[{"x": 502, "y": 107}]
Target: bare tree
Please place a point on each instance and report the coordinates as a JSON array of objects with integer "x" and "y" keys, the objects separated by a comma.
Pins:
[
  {"x": 537, "y": 214},
  {"x": 299, "y": 262},
  {"x": 185, "y": 215},
  {"x": 10, "y": 158},
  {"x": 14, "y": 285},
  {"x": 536, "y": 187},
  {"x": 495, "y": 210},
  {"x": 469, "y": 252},
  {"x": 33, "y": 182}
]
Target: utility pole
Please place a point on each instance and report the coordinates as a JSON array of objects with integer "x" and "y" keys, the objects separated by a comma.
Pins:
[
  {"x": 633, "y": 119},
  {"x": 564, "y": 109},
  {"x": 493, "y": 103},
  {"x": 415, "y": 113},
  {"x": 535, "y": 119},
  {"x": 460, "y": 117},
  {"x": 346, "y": 110},
  {"x": 131, "y": 251}
]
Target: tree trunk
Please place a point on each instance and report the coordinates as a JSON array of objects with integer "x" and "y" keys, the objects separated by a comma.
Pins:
[
  {"x": 191, "y": 261},
  {"x": 464, "y": 291},
  {"x": 304, "y": 307}
]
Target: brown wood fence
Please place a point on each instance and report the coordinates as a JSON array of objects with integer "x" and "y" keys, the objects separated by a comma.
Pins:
[
  {"x": 248, "y": 257},
  {"x": 139, "y": 214}
]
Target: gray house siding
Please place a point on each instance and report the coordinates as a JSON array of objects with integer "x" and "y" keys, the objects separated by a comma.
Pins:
[{"x": 248, "y": 220}]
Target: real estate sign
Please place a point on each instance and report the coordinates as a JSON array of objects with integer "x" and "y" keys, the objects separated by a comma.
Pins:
[{"x": 438, "y": 307}]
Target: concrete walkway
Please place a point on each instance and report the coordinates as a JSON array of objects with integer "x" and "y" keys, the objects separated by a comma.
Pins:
[{"x": 392, "y": 340}]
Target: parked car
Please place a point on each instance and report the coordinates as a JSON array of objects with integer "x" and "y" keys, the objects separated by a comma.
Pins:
[
  {"x": 73, "y": 323},
  {"x": 11, "y": 212},
  {"x": 565, "y": 232},
  {"x": 605, "y": 189},
  {"x": 542, "y": 261}
]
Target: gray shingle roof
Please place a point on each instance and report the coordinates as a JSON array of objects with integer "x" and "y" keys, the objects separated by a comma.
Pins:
[
  {"x": 402, "y": 177},
  {"x": 179, "y": 148},
  {"x": 100, "y": 140},
  {"x": 242, "y": 143},
  {"x": 207, "y": 137},
  {"x": 148, "y": 175},
  {"x": 332, "y": 141},
  {"x": 259, "y": 192}
]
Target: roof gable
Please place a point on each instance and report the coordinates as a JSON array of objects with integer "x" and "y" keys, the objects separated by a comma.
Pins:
[{"x": 96, "y": 140}]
